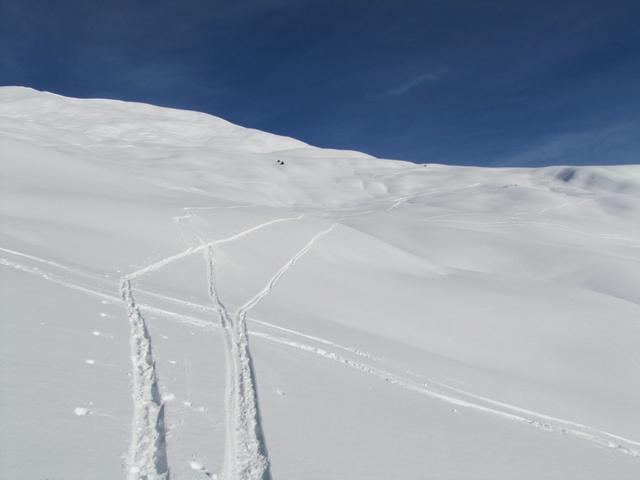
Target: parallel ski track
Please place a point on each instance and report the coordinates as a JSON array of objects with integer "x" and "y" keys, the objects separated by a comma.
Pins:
[
  {"x": 456, "y": 397},
  {"x": 246, "y": 453},
  {"x": 246, "y": 456},
  {"x": 409, "y": 381},
  {"x": 147, "y": 452}
]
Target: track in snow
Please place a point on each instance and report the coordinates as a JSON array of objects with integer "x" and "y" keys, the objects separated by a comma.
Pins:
[
  {"x": 244, "y": 309},
  {"x": 202, "y": 247},
  {"x": 408, "y": 380},
  {"x": 246, "y": 456},
  {"x": 148, "y": 450},
  {"x": 245, "y": 410},
  {"x": 463, "y": 399}
]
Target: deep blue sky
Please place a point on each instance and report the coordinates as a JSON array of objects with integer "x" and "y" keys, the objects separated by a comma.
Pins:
[{"x": 485, "y": 82}]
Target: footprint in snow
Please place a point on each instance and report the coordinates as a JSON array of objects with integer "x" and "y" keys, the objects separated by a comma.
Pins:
[
  {"x": 168, "y": 397},
  {"x": 199, "y": 409},
  {"x": 198, "y": 467},
  {"x": 97, "y": 333},
  {"x": 81, "y": 411}
]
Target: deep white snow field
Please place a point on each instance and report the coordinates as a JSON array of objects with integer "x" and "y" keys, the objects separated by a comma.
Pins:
[{"x": 176, "y": 304}]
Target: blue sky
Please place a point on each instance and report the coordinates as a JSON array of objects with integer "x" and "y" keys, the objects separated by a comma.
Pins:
[{"x": 483, "y": 82}]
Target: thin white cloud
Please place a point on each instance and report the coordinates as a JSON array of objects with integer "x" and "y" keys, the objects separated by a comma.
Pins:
[{"x": 415, "y": 82}]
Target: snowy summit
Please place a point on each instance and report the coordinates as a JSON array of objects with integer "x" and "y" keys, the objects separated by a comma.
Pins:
[{"x": 184, "y": 298}]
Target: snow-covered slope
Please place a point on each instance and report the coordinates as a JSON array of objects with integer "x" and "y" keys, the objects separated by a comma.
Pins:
[{"x": 176, "y": 303}]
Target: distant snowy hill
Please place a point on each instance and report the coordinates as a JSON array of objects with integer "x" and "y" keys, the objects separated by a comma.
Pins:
[{"x": 185, "y": 298}]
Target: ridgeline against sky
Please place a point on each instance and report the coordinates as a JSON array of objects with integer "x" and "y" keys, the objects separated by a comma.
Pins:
[{"x": 472, "y": 82}]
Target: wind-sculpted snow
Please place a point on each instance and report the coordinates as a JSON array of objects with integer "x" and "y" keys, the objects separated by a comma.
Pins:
[{"x": 361, "y": 318}]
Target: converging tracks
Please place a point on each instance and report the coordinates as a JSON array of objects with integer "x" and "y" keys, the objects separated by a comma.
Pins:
[{"x": 246, "y": 455}]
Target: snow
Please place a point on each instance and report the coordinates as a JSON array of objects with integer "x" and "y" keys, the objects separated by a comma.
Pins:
[{"x": 186, "y": 298}]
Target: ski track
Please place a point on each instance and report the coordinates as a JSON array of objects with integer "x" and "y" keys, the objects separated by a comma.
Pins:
[
  {"x": 246, "y": 456},
  {"x": 53, "y": 278},
  {"x": 230, "y": 387},
  {"x": 191, "y": 250},
  {"x": 147, "y": 451},
  {"x": 501, "y": 409},
  {"x": 204, "y": 308},
  {"x": 244, "y": 309},
  {"x": 44, "y": 261},
  {"x": 505, "y": 410},
  {"x": 541, "y": 421}
]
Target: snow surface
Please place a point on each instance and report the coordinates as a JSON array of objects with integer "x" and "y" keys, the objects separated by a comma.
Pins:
[{"x": 176, "y": 303}]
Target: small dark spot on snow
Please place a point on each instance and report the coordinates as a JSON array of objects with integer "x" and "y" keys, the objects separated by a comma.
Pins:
[{"x": 566, "y": 175}]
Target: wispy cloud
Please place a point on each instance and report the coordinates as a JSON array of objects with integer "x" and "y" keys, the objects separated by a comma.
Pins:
[{"x": 413, "y": 83}]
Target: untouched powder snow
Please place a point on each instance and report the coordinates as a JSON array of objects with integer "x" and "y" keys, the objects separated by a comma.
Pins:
[{"x": 184, "y": 298}]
